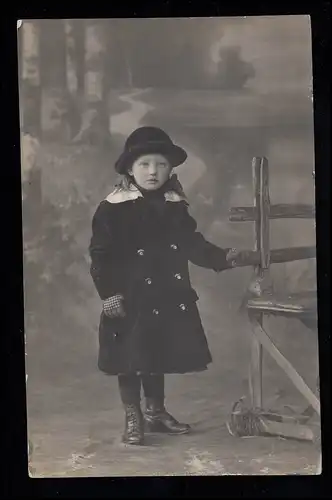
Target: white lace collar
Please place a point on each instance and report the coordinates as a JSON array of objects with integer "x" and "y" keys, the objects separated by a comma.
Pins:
[{"x": 122, "y": 194}]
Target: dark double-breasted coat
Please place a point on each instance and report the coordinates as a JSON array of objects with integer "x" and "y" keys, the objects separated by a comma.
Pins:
[{"x": 141, "y": 250}]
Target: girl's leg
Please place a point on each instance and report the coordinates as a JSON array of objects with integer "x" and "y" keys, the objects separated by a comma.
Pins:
[
  {"x": 130, "y": 392},
  {"x": 130, "y": 389},
  {"x": 157, "y": 419},
  {"x": 154, "y": 389}
]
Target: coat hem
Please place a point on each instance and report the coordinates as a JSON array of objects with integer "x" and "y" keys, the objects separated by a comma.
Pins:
[{"x": 164, "y": 372}]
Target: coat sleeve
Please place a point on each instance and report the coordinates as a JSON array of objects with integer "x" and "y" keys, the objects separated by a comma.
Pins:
[
  {"x": 200, "y": 251},
  {"x": 103, "y": 269}
]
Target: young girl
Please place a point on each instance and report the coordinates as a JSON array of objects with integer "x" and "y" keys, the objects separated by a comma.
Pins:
[{"x": 142, "y": 240}]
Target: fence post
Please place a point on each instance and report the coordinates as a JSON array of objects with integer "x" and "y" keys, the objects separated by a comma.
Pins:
[{"x": 262, "y": 245}]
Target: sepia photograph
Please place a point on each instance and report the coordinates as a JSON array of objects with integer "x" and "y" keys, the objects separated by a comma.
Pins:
[{"x": 169, "y": 246}]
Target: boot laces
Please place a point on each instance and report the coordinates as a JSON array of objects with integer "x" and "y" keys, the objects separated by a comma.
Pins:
[{"x": 133, "y": 417}]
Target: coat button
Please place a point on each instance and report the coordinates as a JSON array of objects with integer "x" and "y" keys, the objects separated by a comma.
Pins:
[
  {"x": 155, "y": 311},
  {"x": 174, "y": 247},
  {"x": 140, "y": 251},
  {"x": 183, "y": 307},
  {"x": 148, "y": 281},
  {"x": 178, "y": 276}
]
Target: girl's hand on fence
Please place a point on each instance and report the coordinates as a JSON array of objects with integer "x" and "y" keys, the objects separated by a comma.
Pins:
[
  {"x": 113, "y": 307},
  {"x": 232, "y": 256}
]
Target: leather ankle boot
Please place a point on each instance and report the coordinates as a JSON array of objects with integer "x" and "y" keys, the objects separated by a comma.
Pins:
[
  {"x": 157, "y": 419},
  {"x": 134, "y": 425}
]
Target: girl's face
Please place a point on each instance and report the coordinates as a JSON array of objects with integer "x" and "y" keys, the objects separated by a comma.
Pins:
[{"x": 151, "y": 171}]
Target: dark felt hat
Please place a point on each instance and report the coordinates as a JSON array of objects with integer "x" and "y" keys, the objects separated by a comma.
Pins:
[{"x": 148, "y": 140}]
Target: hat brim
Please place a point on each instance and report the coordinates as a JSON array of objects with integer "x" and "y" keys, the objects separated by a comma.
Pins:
[{"x": 175, "y": 155}]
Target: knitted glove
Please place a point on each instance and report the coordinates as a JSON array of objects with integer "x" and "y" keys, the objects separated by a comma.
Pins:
[{"x": 113, "y": 306}]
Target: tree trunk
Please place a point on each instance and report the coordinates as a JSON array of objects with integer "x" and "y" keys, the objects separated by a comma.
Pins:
[
  {"x": 95, "y": 119},
  {"x": 71, "y": 60},
  {"x": 74, "y": 74},
  {"x": 29, "y": 34},
  {"x": 30, "y": 91},
  {"x": 58, "y": 116}
]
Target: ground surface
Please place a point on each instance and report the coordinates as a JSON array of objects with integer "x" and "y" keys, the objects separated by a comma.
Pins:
[{"x": 85, "y": 441}]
